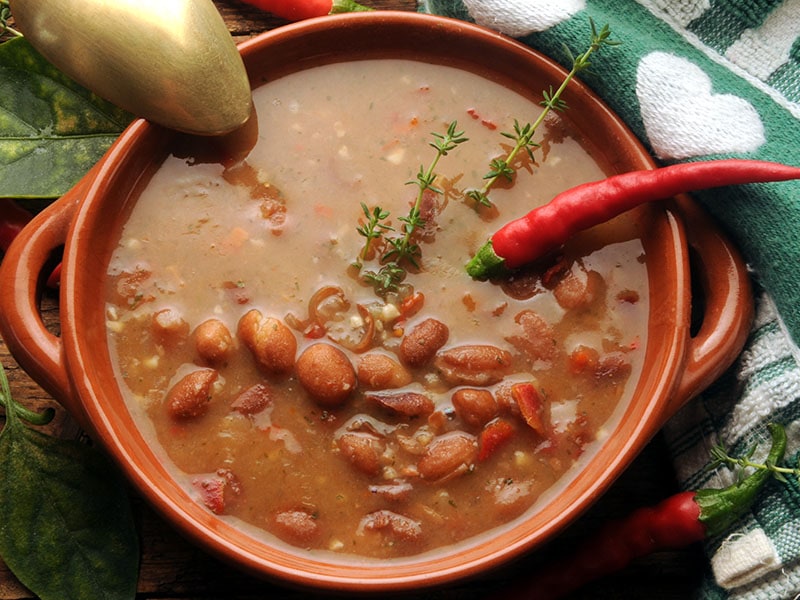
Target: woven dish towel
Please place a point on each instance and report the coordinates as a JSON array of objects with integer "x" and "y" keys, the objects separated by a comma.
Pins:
[{"x": 698, "y": 80}]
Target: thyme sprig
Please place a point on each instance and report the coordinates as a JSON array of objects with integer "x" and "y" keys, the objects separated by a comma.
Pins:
[
  {"x": 373, "y": 229},
  {"x": 401, "y": 250},
  {"x": 720, "y": 457},
  {"x": 553, "y": 101}
]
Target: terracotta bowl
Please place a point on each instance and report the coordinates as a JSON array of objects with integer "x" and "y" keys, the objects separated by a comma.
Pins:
[{"x": 76, "y": 369}]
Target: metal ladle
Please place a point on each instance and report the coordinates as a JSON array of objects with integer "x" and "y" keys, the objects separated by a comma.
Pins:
[{"x": 172, "y": 62}]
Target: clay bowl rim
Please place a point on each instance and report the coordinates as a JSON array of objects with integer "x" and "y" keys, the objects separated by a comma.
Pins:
[{"x": 89, "y": 377}]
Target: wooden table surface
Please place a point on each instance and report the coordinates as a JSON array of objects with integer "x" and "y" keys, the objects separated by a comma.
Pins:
[{"x": 171, "y": 567}]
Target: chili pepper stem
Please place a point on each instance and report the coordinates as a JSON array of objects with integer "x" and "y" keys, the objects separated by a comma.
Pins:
[{"x": 344, "y": 6}]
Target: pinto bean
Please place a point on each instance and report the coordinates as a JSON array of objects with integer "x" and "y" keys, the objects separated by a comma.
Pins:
[
  {"x": 474, "y": 364},
  {"x": 614, "y": 366},
  {"x": 272, "y": 343},
  {"x": 510, "y": 497},
  {"x": 253, "y": 400},
  {"x": 297, "y": 526},
  {"x": 326, "y": 374},
  {"x": 393, "y": 492},
  {"x": 169, "y": 327},
  {"x": 475, "y": 407},
  {"x": 362, "y": 450},
  {"x": 448, "y": 456},
  {"x": 578, "y": 288},
  {"x": 213, "y": 341},
  {"x": 423, "y": 342},
  {"x": 405, "y": 404},
  {"x": 379, "y": 372},
  {"x": 397, "y": 526},
  {"x": 190, "y": 396},
  {"x": 538, "y": 340}
]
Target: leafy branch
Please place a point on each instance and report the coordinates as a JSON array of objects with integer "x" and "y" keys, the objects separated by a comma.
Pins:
[
  {"x": 553, "y": 101},
  {"x": 401, "y": 250},
  {"x": 721, "y": 457}
]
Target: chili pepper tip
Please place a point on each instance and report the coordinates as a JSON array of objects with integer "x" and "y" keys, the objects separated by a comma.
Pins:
[{"x": 486, "y": 263}]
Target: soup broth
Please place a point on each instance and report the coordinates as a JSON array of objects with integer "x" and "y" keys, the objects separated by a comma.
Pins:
[{"x": 293, "y": 395}]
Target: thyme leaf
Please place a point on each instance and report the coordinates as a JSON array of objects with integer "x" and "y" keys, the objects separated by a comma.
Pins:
[
  {"x": 552, "y": 101},
  {"x": 401, "y": 250},
  {"x": 721, "y": 458}
]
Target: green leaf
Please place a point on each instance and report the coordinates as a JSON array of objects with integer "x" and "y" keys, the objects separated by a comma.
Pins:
[
  {"x": 52, "y": 130},
  {"x": 66, "y": 528}
]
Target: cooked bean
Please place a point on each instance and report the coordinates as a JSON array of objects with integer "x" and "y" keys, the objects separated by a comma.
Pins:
[
  {"x": 393, "y": 492},
  {"x": 190, "y": 396},
  {"x": 614, "y": 365},
  {"x": 423, "y": 342},
  {"x": 379, "y": 371},
  {"x": 398, "y": 526},
  {"x": 253, "y": 400},
  {"x": 326, "y": 374},
  {"x": 297, "y": 526},
  {"x": 213, "y": 341},
  {"x": 578, "y": 288},
  {"x": 169, "y": 327},
  {"x": 475, "y": 407},
  {"x": 538, "y": 339},
  {"x": 362, "y": 450},
  {"x": 511, "y": 497},
  {"x": 448, "y": 456},
  {"x": 272, "y": 343},
  {"x": 473, "y": 364},
  {"x": 406, "y": 404}
]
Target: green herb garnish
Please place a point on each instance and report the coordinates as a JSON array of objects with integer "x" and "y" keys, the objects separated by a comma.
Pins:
[
  {"x": 401, "y": 251},
  {"x": 523, "y": 134}
]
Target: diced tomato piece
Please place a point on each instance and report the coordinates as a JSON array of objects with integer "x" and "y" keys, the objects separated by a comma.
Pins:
[
  {"x": 582, "y": 358},
  {"x": 411, "y": 305},
  {"x": 212, "y": 492},
  {"x": 531, "y": 406},
  {"x": 213, "y": 486},
  {"x": 495, "y": 434}
]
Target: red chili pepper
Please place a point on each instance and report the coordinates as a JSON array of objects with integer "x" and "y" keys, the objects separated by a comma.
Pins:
[
  {"x": 545, "y": 228},
  {"x": 677, "y": 522},
  {"x": 296, "y": 10}
]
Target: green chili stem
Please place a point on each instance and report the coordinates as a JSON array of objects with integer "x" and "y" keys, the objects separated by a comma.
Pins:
[{"x": 345, "y": 6}]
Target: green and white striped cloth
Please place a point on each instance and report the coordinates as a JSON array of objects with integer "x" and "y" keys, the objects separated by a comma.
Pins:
[{"x": 696, "y": 80}]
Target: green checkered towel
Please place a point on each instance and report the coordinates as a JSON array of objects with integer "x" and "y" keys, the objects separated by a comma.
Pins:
[{"x": 696, "y": 80}]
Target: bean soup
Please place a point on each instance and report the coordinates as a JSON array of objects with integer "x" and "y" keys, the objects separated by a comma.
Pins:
[{"x": 292, "y": 395}]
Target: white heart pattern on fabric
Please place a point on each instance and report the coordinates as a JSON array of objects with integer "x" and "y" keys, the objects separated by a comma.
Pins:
[
  {"x": 682, "y": 116},
  {"x": 520, "y": 17}
]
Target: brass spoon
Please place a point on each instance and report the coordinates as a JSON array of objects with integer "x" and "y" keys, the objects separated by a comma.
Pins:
[{"x": 172, "y": 62}]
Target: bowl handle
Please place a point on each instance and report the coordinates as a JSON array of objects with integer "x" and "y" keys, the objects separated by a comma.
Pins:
[
  {"x": 22, "y": 273},
  {"x": 727, "y": 311}
]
